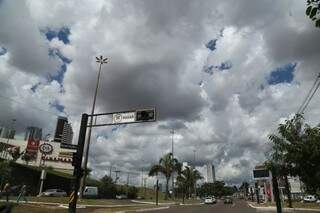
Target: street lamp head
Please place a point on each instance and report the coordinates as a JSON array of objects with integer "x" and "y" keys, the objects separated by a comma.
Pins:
[{"x": 101, "y": 60}]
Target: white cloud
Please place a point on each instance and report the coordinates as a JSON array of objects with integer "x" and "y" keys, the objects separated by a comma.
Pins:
[{"x": 156, "y": 52}]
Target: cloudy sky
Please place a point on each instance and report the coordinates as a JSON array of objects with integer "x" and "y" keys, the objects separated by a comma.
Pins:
[{"x": 222, "y": 74}]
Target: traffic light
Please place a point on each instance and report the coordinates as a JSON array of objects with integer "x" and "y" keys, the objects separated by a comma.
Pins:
[
  {"x": 146, "y": 115},
  {"x": 74, "y": 159}
]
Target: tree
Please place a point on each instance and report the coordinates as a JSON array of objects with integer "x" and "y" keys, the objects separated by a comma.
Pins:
[
  {"x": 15, "y": 153},
  {"x": 5, "y": 171},
  {"x": 26, "y": 157},
  {"x": 107, "y": 188},
  {"x": 167, "y": 166},
  {"x": 216, "y": 188},
  {"x": 187, "y": 180},
  {"x": 313, "y": 11},
  {"x": 296, "y": 151},
  {"x": 245, "y": 188}
]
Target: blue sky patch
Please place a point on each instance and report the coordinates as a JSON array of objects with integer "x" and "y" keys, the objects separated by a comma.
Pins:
[
  {"x": 55, "y": 104},
  {"x": 282, "y": 74},
  {"x": 208, "y": 69},
  {"x": 3, "y": 51},
  {"x": 59, "y": 75},
  {"x": 34, "y": 87},
  {"x": 224, "y": 66},
  {"x": 62, "y": 34},
  {"x": 211, "y": 45}
]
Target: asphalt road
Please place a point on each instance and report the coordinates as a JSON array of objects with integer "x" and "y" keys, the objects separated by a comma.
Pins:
[{"x": 239, "y": 206}]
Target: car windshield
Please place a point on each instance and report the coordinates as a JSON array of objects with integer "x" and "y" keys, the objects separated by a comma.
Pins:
[{"x": 169, "y": 101}]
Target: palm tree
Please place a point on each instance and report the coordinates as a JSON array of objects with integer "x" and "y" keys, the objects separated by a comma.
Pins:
[
  {"x": 167, "y": 166},
  {"x": 187, "y": 180}
]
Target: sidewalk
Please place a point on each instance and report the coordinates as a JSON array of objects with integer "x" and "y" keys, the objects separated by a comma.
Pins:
[{"x": 268, "y": 208}]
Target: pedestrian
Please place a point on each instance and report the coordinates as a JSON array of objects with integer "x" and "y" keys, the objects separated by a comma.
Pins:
[
  {"x": 22, "y": 193},
  {"x": 6, "y": 190}
]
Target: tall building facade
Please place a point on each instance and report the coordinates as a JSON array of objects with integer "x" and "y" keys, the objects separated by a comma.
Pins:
[
  {"x": 59, "y": 128},
  {"x": 67, "y": 134},
  {"x": 64, "y": 133},
  {"x": 33, "y": 132},
  {"x": 7, "y": 133},
  {"x": 211, "y": 174}
]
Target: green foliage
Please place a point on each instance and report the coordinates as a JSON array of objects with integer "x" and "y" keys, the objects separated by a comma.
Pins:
[
  {"x": 218, "y": 189},
  {"x": 187, "y": 179},
  {"x": 167, "y": 166},
  {"x": 313, "y": 11},
  {"x": 5, "y": 170},
  {"x": 132, "y": 192},
  {"x": 107, "y": 188},
  {"x": 296, "y": 151}
]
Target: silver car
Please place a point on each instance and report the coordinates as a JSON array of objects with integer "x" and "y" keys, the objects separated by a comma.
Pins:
[{"x": 54, "y": 193}]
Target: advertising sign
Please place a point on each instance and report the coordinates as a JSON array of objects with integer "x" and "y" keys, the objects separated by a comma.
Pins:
[
  {"x": 32, "y": 148},
  {"x": 46, "y": 148}
]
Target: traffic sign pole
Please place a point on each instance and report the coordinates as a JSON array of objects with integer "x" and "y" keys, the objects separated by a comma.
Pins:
[{"x": 77, "y": 172}]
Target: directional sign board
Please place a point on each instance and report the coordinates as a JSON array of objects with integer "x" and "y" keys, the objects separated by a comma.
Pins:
[
  {"x": 127, "y": 117},
  {"x": 141, "y": 115}
]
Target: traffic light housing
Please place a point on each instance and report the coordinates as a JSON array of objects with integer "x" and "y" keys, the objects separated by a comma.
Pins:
[{"x": 146, "y": 115}]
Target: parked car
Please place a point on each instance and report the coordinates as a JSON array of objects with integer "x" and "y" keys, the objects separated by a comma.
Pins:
[
  {"x": 90, "y": 192},
  {"x": 310, "y": 199},
  {"x": 54, "y": 193},
  {"x": 120, "y": 197},
  {"x": 210, "y": 200},
  {"x": 228, "y": 200}
]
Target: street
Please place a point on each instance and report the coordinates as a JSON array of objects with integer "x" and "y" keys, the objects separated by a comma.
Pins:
[{"x": 239, "y": 206}]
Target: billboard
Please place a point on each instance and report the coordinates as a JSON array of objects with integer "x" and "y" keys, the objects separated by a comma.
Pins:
[
  {"x": 32, "y": 148},
  {"x": 261, "y": 174}
]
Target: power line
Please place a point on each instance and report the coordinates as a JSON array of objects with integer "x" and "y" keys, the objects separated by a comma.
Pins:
[{"x": 310, "y": 95}]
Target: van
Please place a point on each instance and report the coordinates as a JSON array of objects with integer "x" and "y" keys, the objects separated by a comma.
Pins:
[{"x": 90, "y": 192}]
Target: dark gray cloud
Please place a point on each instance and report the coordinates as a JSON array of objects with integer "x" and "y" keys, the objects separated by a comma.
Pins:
[{"x": 157, "y": 52}]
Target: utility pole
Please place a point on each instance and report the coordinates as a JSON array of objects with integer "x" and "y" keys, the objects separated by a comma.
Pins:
[
  {"x": 194, "y": 164},
  {"x": 110, "y": 171},
  {"x": 172, "y": 149},
  {"x": 100, "y": 61},
  {"x": 117, "y": 172}
]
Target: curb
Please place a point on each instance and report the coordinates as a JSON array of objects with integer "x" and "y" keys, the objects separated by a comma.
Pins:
[
  {"x": 146, "y": 202},
  {"x": 285, "y": 209},
  {"x": 144, "y": 210},
  {"x": 191, "y": 204}
]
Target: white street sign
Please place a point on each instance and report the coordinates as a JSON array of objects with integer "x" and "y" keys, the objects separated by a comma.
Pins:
[{"x": 125, "y": 117}]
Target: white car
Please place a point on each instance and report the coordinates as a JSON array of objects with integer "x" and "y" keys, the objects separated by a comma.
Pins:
[
  {"x": 54, "y": 193},
  {"x": 309, "y": 199},
  {"x": 210, "y": 200}
]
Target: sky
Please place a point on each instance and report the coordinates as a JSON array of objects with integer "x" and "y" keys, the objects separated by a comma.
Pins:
[{"x": 222, "y": 74}]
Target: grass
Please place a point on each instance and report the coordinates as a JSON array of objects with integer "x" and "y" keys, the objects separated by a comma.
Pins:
[
  {"x": 65, "y": 200},
  {"x": 23, "y": 208}
]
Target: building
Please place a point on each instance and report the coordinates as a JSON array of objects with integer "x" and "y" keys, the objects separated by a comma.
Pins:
[
  {"x": 43, "y": 153},
  {"x": 34, "y": 133},
  {"x": 7, "y": 133},
  {"x": 64, "y": 133},
  {"x": 67, "y": 134},
  {"x": 211, "y": 174}
]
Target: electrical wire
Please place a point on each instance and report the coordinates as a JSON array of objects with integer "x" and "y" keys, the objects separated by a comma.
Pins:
[{"x": 310, "y": 95}]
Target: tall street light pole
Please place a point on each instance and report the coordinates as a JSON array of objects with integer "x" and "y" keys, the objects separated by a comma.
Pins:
[
  {"x": 172, "y": 149},
  {"x": 100, "y": 61}
]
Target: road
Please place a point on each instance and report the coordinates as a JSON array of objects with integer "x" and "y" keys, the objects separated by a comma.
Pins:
[{"x": 238, "y": 206}]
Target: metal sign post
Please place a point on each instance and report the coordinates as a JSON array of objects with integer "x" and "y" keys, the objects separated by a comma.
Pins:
[
  {"x": 77, "y": 173},
  {"x": 123, "y": 117}
]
